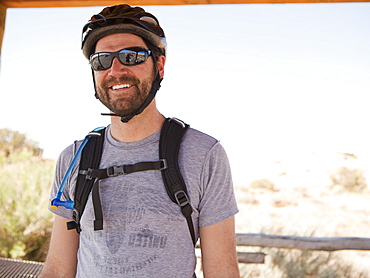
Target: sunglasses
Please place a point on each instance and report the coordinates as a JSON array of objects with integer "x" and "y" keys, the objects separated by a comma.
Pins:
[{"x": 129, "y": 56}]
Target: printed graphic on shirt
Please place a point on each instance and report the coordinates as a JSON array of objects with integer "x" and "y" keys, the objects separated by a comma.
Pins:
[
  {"x": 121, "y": 266},
  {"x": 134, "y": 233},
  {"x": 147, "y": 239}
]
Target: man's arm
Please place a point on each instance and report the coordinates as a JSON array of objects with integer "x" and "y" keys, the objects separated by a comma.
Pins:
[
  {"x": 61, "y": 260},
  {"x": 219, "y": 257}
]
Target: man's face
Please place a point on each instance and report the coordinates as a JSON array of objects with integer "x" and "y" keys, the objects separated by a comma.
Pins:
[{"x": 123, "y": 88}]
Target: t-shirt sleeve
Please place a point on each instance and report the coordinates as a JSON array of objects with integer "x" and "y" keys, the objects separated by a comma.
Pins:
[
  {"x": 218, "y": 201},
  {"x": 62, "y": 165}
]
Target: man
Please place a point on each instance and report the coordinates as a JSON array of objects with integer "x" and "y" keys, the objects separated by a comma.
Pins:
[{"x": 144, "y": 234}]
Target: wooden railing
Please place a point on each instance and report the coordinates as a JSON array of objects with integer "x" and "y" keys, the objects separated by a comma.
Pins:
[{"x": 295, "y": 242}]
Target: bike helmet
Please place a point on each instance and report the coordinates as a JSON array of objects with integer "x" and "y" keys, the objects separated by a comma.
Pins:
[
  {"x": 126, "y": 19},
  {"x": 122, "y": 19}
]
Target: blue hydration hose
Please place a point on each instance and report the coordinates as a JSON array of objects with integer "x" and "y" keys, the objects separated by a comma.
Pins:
[{"x": 56, "y": 202}]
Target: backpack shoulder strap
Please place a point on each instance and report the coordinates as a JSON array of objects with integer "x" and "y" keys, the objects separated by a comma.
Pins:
[
  {"x": 171, "y": 136},
  {"x": 90, "y": 159},
  {"x": 172, "y": 133}
]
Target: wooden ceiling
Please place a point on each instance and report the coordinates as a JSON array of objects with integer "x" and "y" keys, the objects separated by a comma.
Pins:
[{"x": 85, "y": 3}]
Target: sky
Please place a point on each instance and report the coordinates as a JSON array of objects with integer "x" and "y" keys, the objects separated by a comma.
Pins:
[{"x": 265, "y": 79}]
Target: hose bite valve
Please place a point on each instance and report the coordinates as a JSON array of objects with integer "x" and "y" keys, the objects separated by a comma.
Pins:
[{"x": 55, "y": 203}]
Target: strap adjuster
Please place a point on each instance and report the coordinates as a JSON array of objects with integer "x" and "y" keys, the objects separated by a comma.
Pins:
[
  {"x": 165, "y": 166},
  {"x": 75, "y": 215},
  {"x": 73, "y": 225},
  {"x": 87, "y": 173},
  {"x": 181, "y": 198},
  {"x": 114, "y": 171}
]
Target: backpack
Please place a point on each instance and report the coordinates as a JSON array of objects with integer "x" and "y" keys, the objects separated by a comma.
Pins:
[{"x": 89, "y": 173}]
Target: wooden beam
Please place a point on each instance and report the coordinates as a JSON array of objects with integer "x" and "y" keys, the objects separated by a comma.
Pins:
[
  {"x": 2, "y": 24},
  {"x": 251, "y": 258},
  {"x": 304, "y": 243},
  {"x": 243, "y": 257},
  {"x": 87, "y": 3}
]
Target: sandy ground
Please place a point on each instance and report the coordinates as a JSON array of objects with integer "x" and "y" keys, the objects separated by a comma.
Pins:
[{"x": 300, "y": 199}]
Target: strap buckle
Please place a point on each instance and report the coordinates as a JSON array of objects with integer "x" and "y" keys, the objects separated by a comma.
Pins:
[
  {"x": 114, "y": 171},
  {"x": 178, "y": 121},
  {"x": 165, "y": 166},
  {"x": 87, "y": 173},
  {"x": 181, "y": 198},
  {"x": 75, "y": 215}
]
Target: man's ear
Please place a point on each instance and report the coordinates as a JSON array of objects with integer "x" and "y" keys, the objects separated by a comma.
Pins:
[{"x": 161, "y": 60}]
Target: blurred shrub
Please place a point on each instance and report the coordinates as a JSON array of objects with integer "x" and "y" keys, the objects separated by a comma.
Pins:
[
  {"x": 294, "y": 263},
  {"x": 25, "y": 225},
  {"x": 319, "y": 264},
  {"x": 14, "y": 144},
  {"x": 349, "y": 179},
  {"x": 263, "y": 184}
]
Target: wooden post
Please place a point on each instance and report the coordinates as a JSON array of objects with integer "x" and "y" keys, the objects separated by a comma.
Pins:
[{"x": 2, "y": 25}]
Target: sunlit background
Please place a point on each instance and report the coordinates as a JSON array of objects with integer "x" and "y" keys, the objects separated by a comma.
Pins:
[{"x": 267, "y": 80}]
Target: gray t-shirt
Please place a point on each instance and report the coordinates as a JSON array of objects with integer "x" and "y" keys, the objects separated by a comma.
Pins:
[{"x": 145, "y": 233}]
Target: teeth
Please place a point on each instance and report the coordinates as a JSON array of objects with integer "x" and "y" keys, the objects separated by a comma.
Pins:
[{"x": 121, "y": 86}]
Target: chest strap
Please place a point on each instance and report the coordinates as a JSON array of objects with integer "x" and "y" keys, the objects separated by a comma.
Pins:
[{"x": 115, "y": 171}]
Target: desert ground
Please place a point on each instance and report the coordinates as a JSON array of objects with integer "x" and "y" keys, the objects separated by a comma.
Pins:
[{"x": 298, "y": 195}]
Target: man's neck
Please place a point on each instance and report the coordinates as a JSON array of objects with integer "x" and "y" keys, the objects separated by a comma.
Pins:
[{"x": 139, "y": 127}]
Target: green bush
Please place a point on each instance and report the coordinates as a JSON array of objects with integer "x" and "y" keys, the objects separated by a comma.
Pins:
[{"x": 25, "y": 225}]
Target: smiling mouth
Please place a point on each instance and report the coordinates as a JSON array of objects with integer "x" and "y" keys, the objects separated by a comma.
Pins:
[{"x": 121, "y": 86}]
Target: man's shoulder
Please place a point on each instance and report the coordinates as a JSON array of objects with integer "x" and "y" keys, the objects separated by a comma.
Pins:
[
  {"x": 198, "y": 141},
  {"x": 66, "y": 156},
  {"x": 71, "y": 149},
  {"x": 194, "y": 134}
]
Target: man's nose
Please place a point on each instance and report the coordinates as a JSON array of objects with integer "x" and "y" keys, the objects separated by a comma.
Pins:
[{"x": 117, "y": 67}]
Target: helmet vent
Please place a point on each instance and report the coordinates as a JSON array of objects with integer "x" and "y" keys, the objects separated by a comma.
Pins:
[{"x": 150, "y": 20}]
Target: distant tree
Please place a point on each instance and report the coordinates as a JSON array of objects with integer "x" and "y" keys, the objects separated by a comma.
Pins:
[{"x": 14, "y": 143}]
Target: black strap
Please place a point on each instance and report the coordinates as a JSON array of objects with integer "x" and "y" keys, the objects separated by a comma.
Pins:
[
  {"x": 98, "y": 223},
  {"x": 90, "y": 158},
  {"x": 114, "y": 171},
  {"x": 169, "y": 145}
]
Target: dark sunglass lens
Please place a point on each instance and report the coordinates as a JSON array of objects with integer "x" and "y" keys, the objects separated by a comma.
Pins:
[
  {"x": 101, "y": 61},
  {"x": 127, "y": 57},
  {"x": 141, "y": 57},
  {"x": 133, "y": 56}
]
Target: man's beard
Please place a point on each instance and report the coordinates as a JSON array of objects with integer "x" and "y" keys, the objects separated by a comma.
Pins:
[{"x": 124, "y": 105}]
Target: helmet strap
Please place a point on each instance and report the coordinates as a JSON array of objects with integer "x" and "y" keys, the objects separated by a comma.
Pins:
[
  {"x": 155, "y": 87},
  {"x": 96, "y": 92}
]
